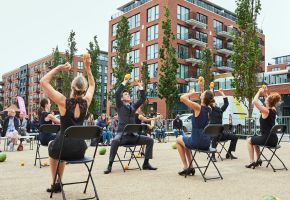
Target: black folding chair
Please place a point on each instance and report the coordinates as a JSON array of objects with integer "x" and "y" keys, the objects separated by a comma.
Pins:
[
  {"x": 140, "y": 129},
  {"x": 212, "y": 130},
  {"x": 228, "y": 129},
  {"x": 277, "y": 129},
  {"x": 44, "y": 129},
  {"x": 85, "y": 133}
]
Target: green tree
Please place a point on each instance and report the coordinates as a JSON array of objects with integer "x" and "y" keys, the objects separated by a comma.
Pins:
[
  {"x": 206, "y": 65},
  {"x": 145, "y": 79},
  {"x": 123, "y": 62},
  {"x": 55, "y": 62},
  {"x": 167, "y": 86},
  {"x": 1, "y": 106},
  {"x": 247, "y": 54},
  {"x": 94, "y": 51}
]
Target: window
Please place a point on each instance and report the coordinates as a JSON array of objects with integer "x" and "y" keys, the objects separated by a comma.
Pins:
[
  {"x": 152, "y": 51},
  {"x": 182, "y": 71},
  {"x": 201, "y": 36},
  {"x": 80, "y": 65},
  {"x": 133, "y": 56},
  {"x": 114, "y": 45},
  {"x": 182, "y": 88},
  {"x": 201, "y": 18},
  {"x": 198, "y": 54},
  {"x": 182, "y": 32},
  {"x": 288, "y": 67},
  {"x": 217, "y": 43},
  {"x": 153, "y": 70},
  {"x": 135, "y": 73},
  {"x": 135, "y": 40},
  {"x": 152, "y": 90},
  {"x": 134, "y": 21},
  {"x": 153, "y": 13},
  {"x": 275, "y": 69},
  {"x": 182, "y": 51},
  {"x": 114, "y": 29},
  {"x": 182, "y": 13},
  {"x": 152, "y": 32},
  {"x": 114, "y": 64},
  {"x": 113, "y": 79},
  {"x": 218, "y": 60},
  {"x": 218, "y": 26}
]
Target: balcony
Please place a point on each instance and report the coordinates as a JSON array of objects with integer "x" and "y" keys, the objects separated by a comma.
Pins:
[
  {"x": 194, "y": 59},
  {"x": 1, "y": 98},
  {"x": 227, "y": 33},
  {"x": 17, "y": 77},
  {"x": 36, "y": 80},
  {"x": 36, "y": 70},
  {"x": 1, "y": 83},
  {"x": 9, "y": 79},
  {"x": 37, "y": 91},
  {"x": 1, "y": 91},
  {"x": 195, "y": 23},
  {"x": 227, "y": 49},
  {"x": 17, "y": 85},
  {"x": 225, "y": 66},
  {"x": 195, "y": 41},
  {"x": 36, "y": 100}
]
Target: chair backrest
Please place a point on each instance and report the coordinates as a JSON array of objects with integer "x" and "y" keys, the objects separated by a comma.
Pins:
[
  {"x": 278, "y": 129},
  {"x": 135, "y": 128},
  {"x": 83, "y": 132},
  {"x": 49, "y": 128},
  {"x": 228, "y": 128},
  {"x": 213, "y": 130}
]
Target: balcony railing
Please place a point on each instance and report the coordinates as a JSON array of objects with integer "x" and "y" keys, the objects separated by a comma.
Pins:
[
  {"x": 225, "y": 66},
  {"x": 36, "y": 100},
  {"x": 226, "y": 49},
  {"x": 191, "y": 19},
  {"x": 194, "y": 58},
  {"x": 227, "y": 32},
  {"x": 36, "y": 70},
  {"x": 1, "y": 83},
  {"x": 36, "y": 80},
  {"x": 130, "y": 7},
  {"x": 195, "y": 41}
]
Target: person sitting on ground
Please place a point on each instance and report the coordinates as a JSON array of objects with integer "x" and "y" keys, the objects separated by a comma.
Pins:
[
  {"x": 10, "y": 128},
  {"x": 72, "y": 111},
  {"x": 216, "y": 117},
  {"x": 126, "y": 112},
  {"x": 178, "y": 126},
  {"x": 197, "y": 140},
  {"x": 102, "y": 122},
  {"x": 267, "y": 121},
  {"x": 159, "y": 128},
  {"x": 46, "y": 118}
]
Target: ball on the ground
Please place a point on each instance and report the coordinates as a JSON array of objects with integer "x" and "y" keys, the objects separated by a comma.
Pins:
[
  {"x": 268, "y": 197},
  {"x": 45, "y": 163},
  {"x": 22, "y": 164},
  {"x": 102, "y": 151},
  {"x": 126, "y": 167},
  {"x": 3, "y": 157},
  {"x": 173, "y": 146},
  {"x": 138, "y": 156}
]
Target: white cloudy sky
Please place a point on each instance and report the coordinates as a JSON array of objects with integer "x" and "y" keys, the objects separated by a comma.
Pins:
[{"x": 30, "y": 29}]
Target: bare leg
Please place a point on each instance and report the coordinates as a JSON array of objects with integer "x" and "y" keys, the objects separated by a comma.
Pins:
[
  {"x": 257, "y": 149},
  {"x": 189, "y": 157},
  {"x": 250, "y": 149},
  {"x": 53, "y": 167},
  {"x": 181, "y": 150}
]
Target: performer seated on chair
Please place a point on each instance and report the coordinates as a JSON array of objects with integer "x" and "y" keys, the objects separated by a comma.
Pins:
[
  {"x": 178, "y": 126},
  {"x": 126, "y": 112},
  {"x": 73, "y": 111},
  {"x": 216, "y": 117},
  {"x": 46, "y": 118},
  {"x": 267, "y": 121},
  {"x": 199, "y": 122}
]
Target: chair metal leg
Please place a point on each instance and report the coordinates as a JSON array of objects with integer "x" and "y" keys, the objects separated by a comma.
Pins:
[{"x": 121, "y": 162}]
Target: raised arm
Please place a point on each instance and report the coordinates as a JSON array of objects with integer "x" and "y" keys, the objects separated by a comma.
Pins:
[
  {"x": 226, "y": 101},
  {"x": 53, "y": 94},
  {"x": 256, "y": 102},
  {"x": 91, "y": 90},
  {"x": 194, "y": 106},
  {"x": 142, "y": 95}
]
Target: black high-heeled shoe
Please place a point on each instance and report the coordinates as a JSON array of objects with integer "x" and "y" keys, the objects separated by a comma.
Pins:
[
  {"x": 191, "y": 171},
  {"x": 251, "y": 165},
  {"x": 259, "y": 162},
  {"x": 183, "y": 172},
  {"x": 54, "y": 188}
]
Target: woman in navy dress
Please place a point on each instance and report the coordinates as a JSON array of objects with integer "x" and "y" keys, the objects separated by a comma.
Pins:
[
  {"x": 197, "y": 140},
  {"x": 267, "y": 121}
]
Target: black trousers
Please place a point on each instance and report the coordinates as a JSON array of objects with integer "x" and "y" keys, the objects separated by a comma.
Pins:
[
  {"x": 131, "y": 139},
  {"x": 225, "y": 137}
]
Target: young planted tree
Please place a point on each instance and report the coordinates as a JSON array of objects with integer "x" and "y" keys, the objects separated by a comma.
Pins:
[
  {"x": 55, "y": 81},
  {"x": 123, "y": 62},
  {"x": 206, "y": 65},
  {"x": 94, "y": 51},
  {"x": 145, "y": 79},
  {"x": 167, "y": 86},
  {"x": 247, "y": 54}
]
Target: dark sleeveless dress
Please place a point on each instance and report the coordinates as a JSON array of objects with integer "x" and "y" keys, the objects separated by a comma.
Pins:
[
  {"x": 265, "y": 127},
  {"x": 198, "y": 140},
  {"x": 73, "y": 149},
  {"x": 45, "y": 138}
]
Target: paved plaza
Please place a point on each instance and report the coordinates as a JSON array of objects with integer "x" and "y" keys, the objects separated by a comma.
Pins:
[{"x": 29, "y": 182}]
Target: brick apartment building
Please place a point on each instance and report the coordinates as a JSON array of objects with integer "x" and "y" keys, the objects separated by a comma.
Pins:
[
  {"x": 24, "y": 81},
  {"x": 196, "y": 23}
]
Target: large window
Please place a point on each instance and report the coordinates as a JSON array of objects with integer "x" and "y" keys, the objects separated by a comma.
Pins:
[
  {"x": 153, "y": 13},
  {"x": 217, "y": 43},
  {"x": 152, "y": 32},
  {"x": 134, "y": 21},
  {"x": 114, "y": 45},
  {"x": 198, "y": 54},
  {"x": 152, "y": 90},
  {"x": 218, "y": 26},
  {"x": 80, "y": 65},
  {"x": 182, "y": 32},
  {"x": 153, "y": 70},
  {"x": 135, "y": 40},
  {"x": 201, "y": 36},
  {"x": 135, "y": 73},
  {"x": 114, "y": 64},
  {"x": 114, "y": 29},
  {"x": 218, "y": 60},
  {"x": 182, "y": 51},
  {"x": 182, "y": 71},
  {"x": 201, "y": 18},
  {"x": 182, "y": 13},
  {"x": 152, "y": 51},
  {"x": 182, "y": 88},
  {"x": 133, "y": 56}
]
